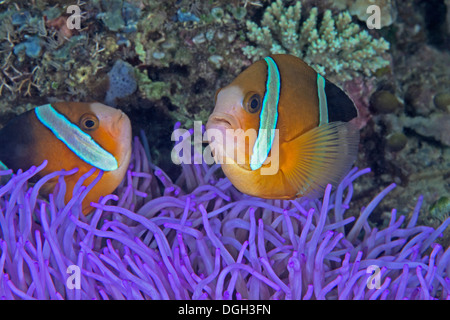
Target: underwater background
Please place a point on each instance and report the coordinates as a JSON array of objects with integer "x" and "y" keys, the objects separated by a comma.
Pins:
[{"x": 176, "y": 231}]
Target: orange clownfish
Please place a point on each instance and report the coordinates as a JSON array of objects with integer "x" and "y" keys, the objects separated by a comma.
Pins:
[
  {"x": 70, "y": 135},
  {"x": 281, "y": 131}
]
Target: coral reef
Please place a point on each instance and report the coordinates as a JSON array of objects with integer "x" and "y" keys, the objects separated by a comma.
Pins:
[
  {"x": 436, "y": 126},
  {"x": 334, "y": 45},
  {"x": 440, "y": 210},
  {"x": 32, "y": 47},
  {"x": 396, "y": 141},
  {"x": 442, "y": 101},
  {"x": 122, "y": 82},
  {"x": 183, "y": 58},
  {"x": 419, "y": 74},
  {"x": 384, "y": 101},
  {"x": 199, "y": 238},
  {"x": 42, "y": 58}
]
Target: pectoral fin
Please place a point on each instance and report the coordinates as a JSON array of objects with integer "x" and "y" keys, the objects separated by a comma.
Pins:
[{"x": 320, "y": 156}]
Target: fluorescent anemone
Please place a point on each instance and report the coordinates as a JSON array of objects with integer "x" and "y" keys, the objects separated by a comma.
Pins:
[{"x": 199, "y": 238}]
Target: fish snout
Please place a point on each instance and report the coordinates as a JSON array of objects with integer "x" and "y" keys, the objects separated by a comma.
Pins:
[
  {"x": 222, "y": 121},
  {"x": 125, "y": 124},
  {"x": 217, "y": 126},
  {"x": 120, "y": 122}
]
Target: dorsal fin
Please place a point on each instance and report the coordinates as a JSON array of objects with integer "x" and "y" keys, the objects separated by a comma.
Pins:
[{"x": 340, "y": 106}]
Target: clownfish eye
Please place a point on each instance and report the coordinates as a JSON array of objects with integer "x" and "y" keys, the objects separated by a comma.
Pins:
[
  {"x": 89, "y": 122},
  {"x": 252, "y": 102}
]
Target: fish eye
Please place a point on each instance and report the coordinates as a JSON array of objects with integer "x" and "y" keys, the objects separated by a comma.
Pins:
[
  {"x": 252, "y": 102},
  {"x": 89, "y": 122}
]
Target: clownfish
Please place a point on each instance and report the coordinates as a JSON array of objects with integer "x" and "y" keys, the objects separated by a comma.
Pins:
[
  {"x": 280, "y": 130},
  {"x": 70, "y": 135}
]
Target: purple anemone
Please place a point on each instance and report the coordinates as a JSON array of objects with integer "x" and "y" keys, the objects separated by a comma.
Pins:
[{"x": 199, "y": 238}]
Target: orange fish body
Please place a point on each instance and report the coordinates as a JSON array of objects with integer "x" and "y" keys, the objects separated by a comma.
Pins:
[
  {"x": 29, "y": 139},
  {"x": 287, "y": 130}
]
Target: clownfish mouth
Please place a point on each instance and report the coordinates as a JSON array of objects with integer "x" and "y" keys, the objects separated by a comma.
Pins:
[
  {"x": 217, "y": 127},
  {"x": 218, "y": 122},
  {"x": 222, "y": 122},
  {"x": 223, "y": 134}
]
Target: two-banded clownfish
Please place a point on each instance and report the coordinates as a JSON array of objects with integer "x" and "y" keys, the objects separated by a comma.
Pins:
[
  {"x": 281, "y": 131},
  {"x": 70, "y": 135}
]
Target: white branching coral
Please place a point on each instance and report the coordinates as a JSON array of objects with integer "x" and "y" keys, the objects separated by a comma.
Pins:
[{"x": 333, "y": 45}]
